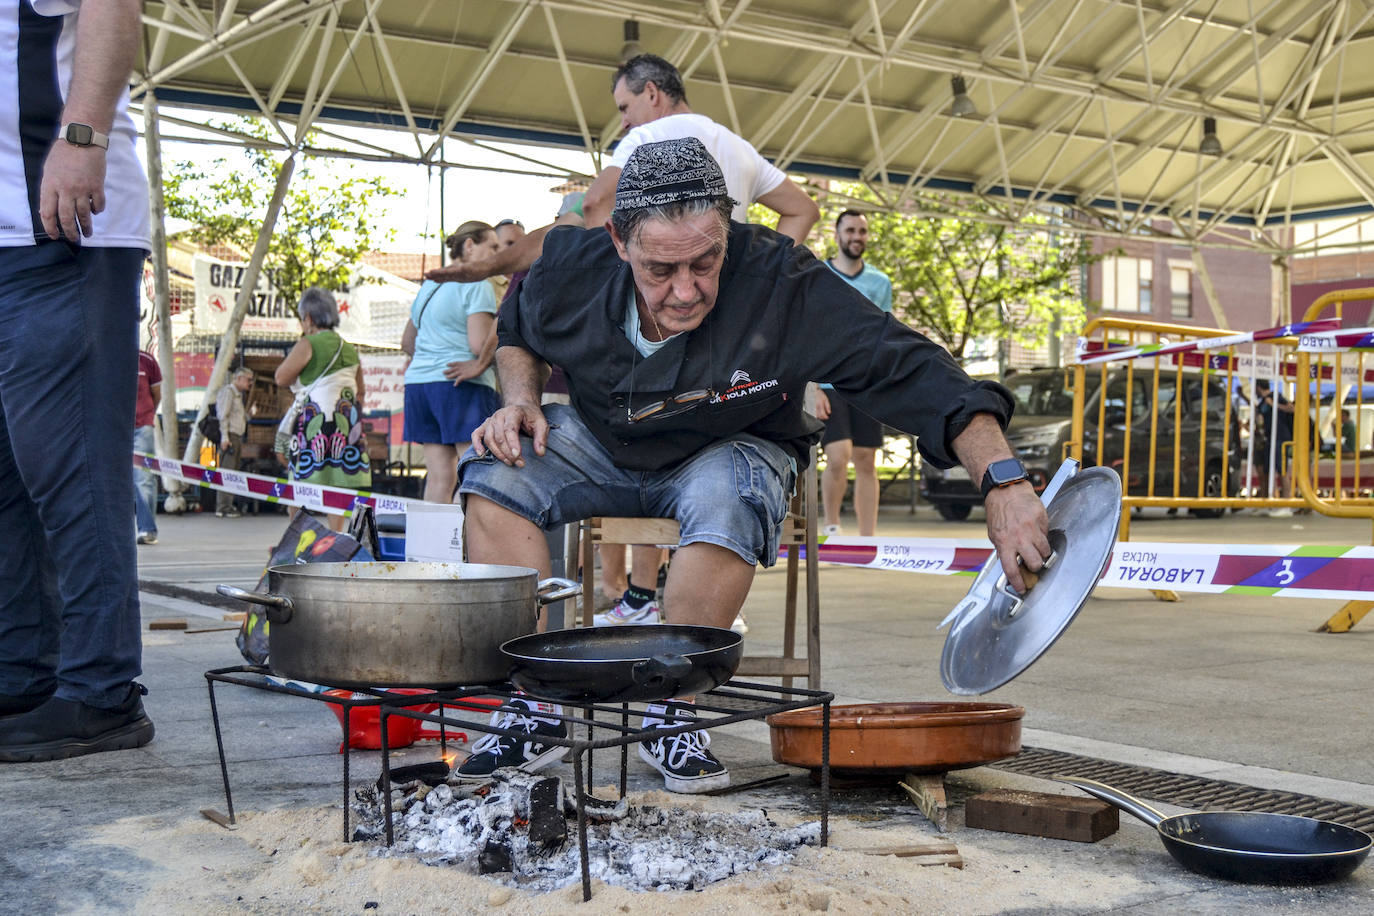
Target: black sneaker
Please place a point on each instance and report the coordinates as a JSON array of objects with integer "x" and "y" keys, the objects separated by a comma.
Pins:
[
  {"x": 684, "y": 759},
  {"x": 67, "y": 728},
  {"x": 15, "y": 704},
  {"x": 492, "y": 752}
]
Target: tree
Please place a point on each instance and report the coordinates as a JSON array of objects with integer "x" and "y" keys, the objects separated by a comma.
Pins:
[
  {"x": 326, "y": 223},
  {"x": 958, "y": 278}
]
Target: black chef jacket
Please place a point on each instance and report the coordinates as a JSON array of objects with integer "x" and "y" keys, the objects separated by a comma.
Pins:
[{"x": 781, "y": 319}]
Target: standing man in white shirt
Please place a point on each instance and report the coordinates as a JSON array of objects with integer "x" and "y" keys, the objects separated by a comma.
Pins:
[{"x": 852, "y": 436}]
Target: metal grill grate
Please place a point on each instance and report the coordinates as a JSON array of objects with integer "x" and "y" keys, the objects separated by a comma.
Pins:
[{"x": 1185, "y": 791}]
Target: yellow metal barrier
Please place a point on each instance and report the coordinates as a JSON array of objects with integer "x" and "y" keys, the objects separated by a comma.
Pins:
[
  {"x": 1207, "y": 469},
  {"x": 1345, "y": 491}
]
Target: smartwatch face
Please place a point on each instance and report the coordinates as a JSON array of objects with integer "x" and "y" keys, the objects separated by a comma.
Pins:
[{"x": 80, "y": 134}]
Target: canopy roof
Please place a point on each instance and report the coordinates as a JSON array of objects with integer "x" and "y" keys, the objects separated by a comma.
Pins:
[{"x": 1095, "y": 106}]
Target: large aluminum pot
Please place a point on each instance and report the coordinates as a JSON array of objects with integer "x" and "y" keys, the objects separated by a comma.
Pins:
[{"x": 399, "y": 624}]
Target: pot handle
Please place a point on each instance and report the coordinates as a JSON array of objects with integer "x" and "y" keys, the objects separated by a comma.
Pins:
[
  {"x": 1128, "y": 803},
  {"x": 555, "y": 589},
  {"x": 661, "y": 669},
  {"x": 279, "y": 607}
]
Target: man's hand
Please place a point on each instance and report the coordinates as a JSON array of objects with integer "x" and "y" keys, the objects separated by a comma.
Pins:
[
  {"x": 72, "y": 189},
  {"x": 224, "y": 446},
  {"x": 822, "y": 405},
  {"x": 500, "y": 433},
  {"x": 463, "y": 370},
  {"x": 463, "y": 271},
  {"x": 1018, "y": 527}
]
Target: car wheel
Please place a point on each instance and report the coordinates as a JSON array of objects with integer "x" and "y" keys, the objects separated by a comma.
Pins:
[
  {"x": 1211, "y": 486},
  {"x": 953, "y": 512}
]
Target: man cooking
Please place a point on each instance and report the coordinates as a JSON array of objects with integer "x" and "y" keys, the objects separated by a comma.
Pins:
[{"x": 688, "y": 341}]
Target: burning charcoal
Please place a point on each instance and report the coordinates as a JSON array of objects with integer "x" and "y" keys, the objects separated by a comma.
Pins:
[
  {"x": 598, "y": 810},
  {"x": 547, "y": 824},
  {"x": 438, "y": 797},
  {"x": 494, "y": 857}
]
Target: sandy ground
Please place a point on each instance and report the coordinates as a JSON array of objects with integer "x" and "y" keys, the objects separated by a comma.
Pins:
[{"x": 291, "y": 861}]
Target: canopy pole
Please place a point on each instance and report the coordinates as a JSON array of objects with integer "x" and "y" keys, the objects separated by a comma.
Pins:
[
  {"x": 229, "y": 343},
  {"x": 166, "y": 438}
]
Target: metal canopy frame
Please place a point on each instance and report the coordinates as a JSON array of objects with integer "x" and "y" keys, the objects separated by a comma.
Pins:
[{"x": 1091, "y": 107}]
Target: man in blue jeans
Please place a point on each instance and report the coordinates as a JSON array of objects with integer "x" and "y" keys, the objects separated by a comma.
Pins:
[{"x": 73, "y": 238}]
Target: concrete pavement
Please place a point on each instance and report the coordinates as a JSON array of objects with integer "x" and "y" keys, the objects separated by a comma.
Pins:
[{"x": 1237, "y": 689}]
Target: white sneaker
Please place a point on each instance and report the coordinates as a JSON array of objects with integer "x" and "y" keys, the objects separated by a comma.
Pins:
[
  {"x": 830, "y": 530},
  {"x": 624, "y": 615},
  {"x": 1281, "y": 512},
  {"x": 740, "y": 626},
  {"x": 685, "y": 760}
]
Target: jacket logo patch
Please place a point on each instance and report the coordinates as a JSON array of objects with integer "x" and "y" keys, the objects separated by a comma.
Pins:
[
  {"x": 740, "y": 377},
  {"x": 743, "y": 389}
]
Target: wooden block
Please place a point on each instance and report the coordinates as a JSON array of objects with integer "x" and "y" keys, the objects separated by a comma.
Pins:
[
  {"x": 639, "y": 531},
  {"x": 1061, "y": 817},
  {"x": 236, "y": 618},
  {"x": 167, "y": 623}
]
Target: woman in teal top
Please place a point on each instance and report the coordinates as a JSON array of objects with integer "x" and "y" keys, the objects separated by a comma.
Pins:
[
  {"x": 326, "y": 442},
  {"x": 449, "y": 323}
]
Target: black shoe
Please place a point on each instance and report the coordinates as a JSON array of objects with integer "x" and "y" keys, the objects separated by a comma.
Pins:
[
  {"x": 59, "y": 728},
  {"x": 684, "y": 759},
  {"x": 491, "y": 752},
  {"x": 12, "y": 705}
]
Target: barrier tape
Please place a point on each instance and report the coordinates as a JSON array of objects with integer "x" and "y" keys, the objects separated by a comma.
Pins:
[
  {"x": 1087, "y": 357},
  {"x": 1270, "y": 570},
  {"x": 1274, "y": 570},
  {"x": 333, "y": 500}
]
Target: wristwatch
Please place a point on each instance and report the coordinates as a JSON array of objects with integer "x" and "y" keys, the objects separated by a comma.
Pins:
[
  {"x": 1003, "y": 473},
  {"x": 84, "y": 135}
]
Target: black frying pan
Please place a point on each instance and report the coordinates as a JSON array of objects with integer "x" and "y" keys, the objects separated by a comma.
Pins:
[
  {"x": 1247, "y": 846},
  {"x": 623, "y": 664}
]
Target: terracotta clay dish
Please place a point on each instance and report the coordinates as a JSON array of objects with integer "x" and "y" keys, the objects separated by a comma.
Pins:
[{"x": 899, "y": 737}]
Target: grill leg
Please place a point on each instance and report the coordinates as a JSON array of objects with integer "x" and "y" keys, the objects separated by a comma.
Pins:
[
  {"x": 219, "y": 744},
  {"x": 581, "y": 790}
]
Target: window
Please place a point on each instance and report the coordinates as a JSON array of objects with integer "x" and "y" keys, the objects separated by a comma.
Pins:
[
  {"x": 1180, "y": 292},
  {"x": 1127, "y": 285}
]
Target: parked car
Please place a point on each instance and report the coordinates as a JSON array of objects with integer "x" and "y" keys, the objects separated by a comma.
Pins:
[{"x": 1042, "y": 425}]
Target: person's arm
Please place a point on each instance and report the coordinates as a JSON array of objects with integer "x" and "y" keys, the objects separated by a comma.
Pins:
[
  {"x": 508, "y": 260},
  {"x": 291, "y": 367},
  {"x": 1017, "y": 524},
  {"x": 361, "y": 390},
  {"x": 797, "y": 212},
  {"x": 481, "y": 339},
  {"x": 223, "y": 405},
  {"x": 522, "y": 376},
  {"x": 156, "y": 389},
  {"x": 408, "y": 338},
  {"x": 600, "y": 199},
  {"x": 73, "y": 184}
]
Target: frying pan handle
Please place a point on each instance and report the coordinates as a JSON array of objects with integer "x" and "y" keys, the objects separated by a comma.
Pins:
[
  {"x": 661, "y": 669},
  {"x": 1128, "y": 803},
  {"x": 555, "y": 589},
  {"x": 279, "y": 607}
]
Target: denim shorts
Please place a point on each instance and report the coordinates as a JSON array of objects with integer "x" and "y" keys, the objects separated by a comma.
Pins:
[{"x": 733, "y": 494}]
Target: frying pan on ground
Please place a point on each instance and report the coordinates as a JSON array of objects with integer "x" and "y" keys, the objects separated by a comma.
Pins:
[
  {"x": 623, "y": 664},
  {"x": 1248, "y": 846}
]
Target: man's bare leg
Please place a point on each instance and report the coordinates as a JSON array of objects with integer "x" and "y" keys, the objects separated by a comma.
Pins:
[
  {"x": 494, "y": 534},
  {"x": 865, "y": 490},
  {"x": 614, "y": 579},
  {"x": 706, "y": 586},
  {"x": 835, "y": 479},
  {"x": 441, "y": 472},
  {"x": 645, "y": 559}
]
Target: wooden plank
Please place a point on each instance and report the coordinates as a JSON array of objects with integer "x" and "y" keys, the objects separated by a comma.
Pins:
[
  {"x": 1061, "y": 817},
  {"x": 772, "y": 666},
  {"x": 664, "y": 531},
  {"x": 167, "y": 623}
]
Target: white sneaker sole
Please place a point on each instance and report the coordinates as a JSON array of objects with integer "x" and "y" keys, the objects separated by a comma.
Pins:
[
  {"x": 693, "y": 786},
  {"x": 601, "y": 620}
]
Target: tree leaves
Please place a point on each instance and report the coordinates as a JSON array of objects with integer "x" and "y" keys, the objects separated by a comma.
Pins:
[{"x": 326, "y": 223}]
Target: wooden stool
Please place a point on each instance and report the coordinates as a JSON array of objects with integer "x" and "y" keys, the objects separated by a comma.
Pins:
[{"x": 798, "y": 535}]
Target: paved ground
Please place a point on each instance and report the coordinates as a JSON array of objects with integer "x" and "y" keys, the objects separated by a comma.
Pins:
[{"x": 1239, "y": 689}]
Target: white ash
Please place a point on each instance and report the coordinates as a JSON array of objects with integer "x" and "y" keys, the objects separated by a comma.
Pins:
[{"x": 640, "y": 847}]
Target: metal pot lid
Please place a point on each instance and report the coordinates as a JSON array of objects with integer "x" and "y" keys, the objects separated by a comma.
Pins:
[{"x": 996, "y": 634}]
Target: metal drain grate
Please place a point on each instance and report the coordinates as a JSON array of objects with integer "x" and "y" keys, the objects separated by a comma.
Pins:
[{"x": 1185, "y": 791}]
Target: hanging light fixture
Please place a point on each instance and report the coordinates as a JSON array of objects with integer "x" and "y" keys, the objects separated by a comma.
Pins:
[
  {"x": 631, "y": 47},
  {"x": 1210, "y": 145},
  {"x": 962, "y": 106}
]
